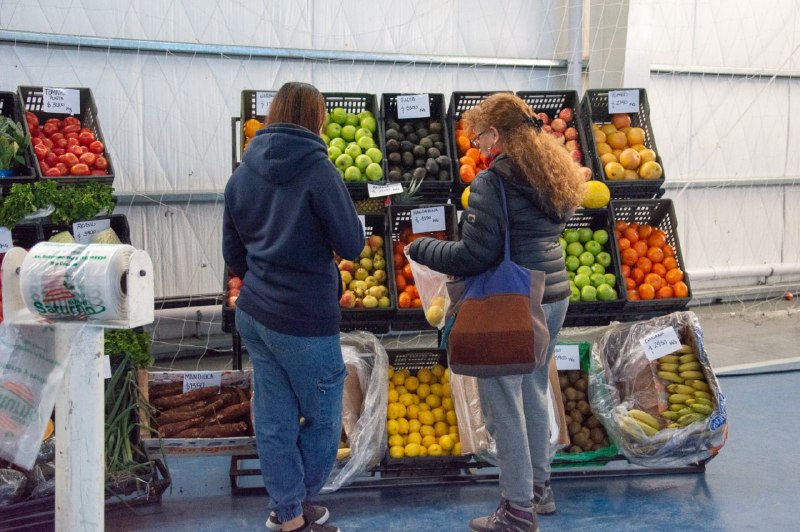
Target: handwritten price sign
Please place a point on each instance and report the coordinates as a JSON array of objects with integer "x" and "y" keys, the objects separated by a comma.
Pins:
[
  {"x": 568, "y": 357},
  {"x": 377, "y": 191},
  {"x": 63, "y": 101},
  {"x": 626, "y": 101},
  {"x": 660, "y": 343},
  {"x": 428, "y": 219},
  {"x": 193, "y": 380},
  {"x": 263, "y": 101},
  {"x": 6, "y": 242},
  {"x": 84, "y": 231},
  {"x": 413, "y": 106}
]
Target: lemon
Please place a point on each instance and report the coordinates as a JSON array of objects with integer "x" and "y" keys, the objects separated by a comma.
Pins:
[
  {"x": 424, "y": 376},
  {"x": 393, "y": 396},
  {"x": 452, "y": 430},
  {"x": 405, "y": 372},
  {"x": 426, "y": 418},
  {"x": 441, "y": 428},
  {"x": 414, "y": 425},
  {"x": 427, "y": 430},
  {"x": 457, "y": 449},
  {"x": 390, "y": 372},
  {"x": 438, "y": 370},
  {"x": 423, "y": 451},
  {"x": 402, "y": 426},
  {"x": 436, "y": 389},
  {"x": 391, "y": 427},
  {"x": 433, "y": 401},
  {"x": 395, "y": 440},
  {"x": 395, "y": 411},
  {"x": 434, "y": 315},
  {"x": 411, "y": 449},
  {"x": 450, "y": 417},
  {"x": 424, "y": 407},
  {"x": 423, "y": 391},
  {"x": 434, "y": 450},
  {"x": 429, "y": 440},
  {"x": 412, "y": 413},
  {"x": 446, "y": 442},
  {"x": 446, "y": 392},
  {"x": 411, "y": 383},
  {"x": 465, "y": 197},
  {"x": 446, "y": 375},
  {"x": 396, "y": 451},
  {"x": 398, "y": 378},
  {"x": 415, "y": 437},
  {"x": 438, "y": 414},
  {"x": 596, "y": 194},
  {"x": 391, "y": 385},
  {"x": 406, "y": 399}
]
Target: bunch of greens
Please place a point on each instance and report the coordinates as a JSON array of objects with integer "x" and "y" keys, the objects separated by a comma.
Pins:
[
  {"x": 133, "y": 345},
  {"x": 13, "y": 140},
  {"x": 70, "y": 203}
]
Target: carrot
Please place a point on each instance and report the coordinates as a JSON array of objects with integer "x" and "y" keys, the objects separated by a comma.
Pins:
[
  {"x": 215, "y": 431},
  {"x": 184, "y": 398},
  {"x": 171, "y": 429}
]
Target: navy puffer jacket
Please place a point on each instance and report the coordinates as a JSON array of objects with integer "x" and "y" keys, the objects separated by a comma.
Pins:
[{"x": 535, "y": 229}]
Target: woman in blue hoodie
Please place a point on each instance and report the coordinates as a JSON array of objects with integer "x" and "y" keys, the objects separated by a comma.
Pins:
[{"x": 287, "y": 212}]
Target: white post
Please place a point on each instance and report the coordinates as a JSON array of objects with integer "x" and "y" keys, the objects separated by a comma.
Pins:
[{"x": 80, "y": 429}]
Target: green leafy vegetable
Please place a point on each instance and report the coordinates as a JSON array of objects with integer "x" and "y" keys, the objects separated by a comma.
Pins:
[
  {"x": 13, "y": 140},
  {"x": 135, "y": 346},
  {"x": 71, "y": 203}
]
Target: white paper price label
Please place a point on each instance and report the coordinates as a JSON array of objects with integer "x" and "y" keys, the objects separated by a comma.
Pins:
[
  {"x": 568, "y": 357},
  {"x": 6, "y": 241},
  {"x": 63, "y": 101},
  {"x": 106, "y": 367},
  {"x": 660, "y": 343},
  {"x": 428, "y": 219},
  {"x": 193, "y": 380},
  {"x": 263, "y": 101},
  {"x": 377, "y": 191},
  {"x": 363, "y": 220},
  {"x": 626, "y": 101},
  {"x": 413, "y": 106},
  {"x": 85, "y": 231}
]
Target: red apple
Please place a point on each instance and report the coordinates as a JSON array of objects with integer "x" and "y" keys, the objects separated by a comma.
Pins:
[
  {"x": 566, "y": 114},
  {"x": 576, "y": 155},
  {"x": 544, "y": 118},
  {"x": 559, "y": 137},
  {"x": 571, "y": 133},
  {"x": 234, "y": 282},
  {"x": 547, "y": 128},
  {"x": 558, "y": 125},
  {"x": 571, "y": 144},
  {"x": 348, "y": 300},
  {"x": 587, "y": 173}
]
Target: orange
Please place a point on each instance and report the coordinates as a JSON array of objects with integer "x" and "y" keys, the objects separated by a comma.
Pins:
[
  {"x": 669, "y": 251},
  {"x": 463, "y": 144},
  {"x": 654, "y": 280},
  {"x": 474, "y": 154},
  {"x": 645, "y": 231},
  {"x": 411, "y": 290},
  {"x": 631, "y": 234},
  {"x": 634, "y": 225},
  {"x": 251, "y": 126},
  {"x": 620, "y": 226},
  {"x": 680, "y": 289},
  {"x": 673, "y": 276},
  {"x": 646, "y": 291},
  {"x": 626, "y": 270},
  {"x": 630, "y": 284},
  {"x": 407, "y": 273},
  {"x": 623, "y": 244},
  {"x": 644, "y": 264},
  {"x": 659, "y": 269},
  {"x": 669, "y": 262},
  {"x": 416, "y": 303},
  {"x": 620, "y": 120},
  {"x": 657, "y": 240},
  {"x": 637, "y": 275},
  {"x": 633, "y": 295},
  {"x": 629, "y": 257},
  {"x": 404, "y": 300},
  {"x": 398, "y": 260},
  {"x": 665, "y": 292},
  {"x": 655, "y": 254},
  {"x": 468, "y": 161},
  {"x": 467, "y": 173},
  {"x": 640, "y": 248},
  {"x": 617, "y": 140},
  {"x": 400, "y": 281}
]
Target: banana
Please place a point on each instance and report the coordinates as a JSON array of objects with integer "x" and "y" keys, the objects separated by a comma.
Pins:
[
  {"x": 343, "y": 453},
  {"x": 668, "y": 367},
  {"x": 685, "y": 410},
  {"x": 671, "y": 415},
  {"x": 670, "y": 376},
  {"x": 704, "y": 395},
  {"x": 679, "y": 398},
  {"x": 690, "y": 401},
  {"x": 681, "y": 388},
  {"x": 644, "y": 417},
  {"x": 648, "y": 430},
  {"x": 690, "y": 366},
  {"x": 699, "y": 385},
  {"x": 669, "y": 359},
  {"x": 673, "y": 426},
  {"x": 677, "y": 407},
  {"x": 688, "y": 419},
  {"x": 701, "y": 408},
  {"x": 703, "y": 401},
  {"x": 691, "y": 374},
  {"x": 683, "y": 359}
]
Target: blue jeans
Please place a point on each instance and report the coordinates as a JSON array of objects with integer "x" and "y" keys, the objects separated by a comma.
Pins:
[
  {"x": 294, "y": 377},
  {"x": 515, "y": 408}
]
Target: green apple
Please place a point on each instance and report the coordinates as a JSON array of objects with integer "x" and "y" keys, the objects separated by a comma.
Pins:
[
  {"x": 351, "y": 120},
  {"x": 365, "y": 143},
  {"x": 333, "y": 130},
  {"x": 339, "y": 143},
  {"x": 325, "y": 137},
  {"x": 604, "y": 258},
  {"x": 353, "y": 150},
  {"x": 572, "y": 263},
  {"x": 363, "y": 132},
  {"x": 374, "y": 171},
  {"x": 585, "y": 270},
  {"x": 598, "y": 268},
  {"x": 374, "y": 154},
  {"x": 343, "y": 162},
  {"x": 363, "y": 114},
  {"x": 611, "y": 279},
  {"x": 574, "y": 249},
  {"x": 574, "y": 293},
  {"x": 571, "y": 276},
  {"x": 349, "y": 133},
  {"x": 597, "y": 279},
  {"x": 571, "y": 235},
  {"x": 582, "y": 280},
  {"x": 352, "y": 174},
  {"x": 362, "y": 161},
  {"x": 334, "y": 153},
  {"x": 593, "y": 247},
  {"x": 600, "y": 236},
  {"x": 369, "y": 122},
  {"x": 589, "y": 293},
  {"x": 586, "y": 258},
  {"x": 584, "y": 234},
  {"x": 339, "y": 116},
  {"x": 606, "y": 293},
  {"x": 562, "y": 241}
]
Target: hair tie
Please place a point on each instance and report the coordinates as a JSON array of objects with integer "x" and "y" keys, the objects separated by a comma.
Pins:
[{"x": 535, "y": 122}]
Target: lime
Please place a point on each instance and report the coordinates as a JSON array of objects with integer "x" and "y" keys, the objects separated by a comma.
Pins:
[
  {"x": 586, "y": 258},
  {"x": 589, "y": 293},
  {"x": 572, "y": 263},
  {"x": 582, "y": 280},
  {"x": 333, "y": 130},
  {"x": 339, "y": 116},
  {"x": 600, "y": 236},
  {"x": 593, "y": 247},
  {"x": 604, "y": 258},
  {"x": 584, "y": 234},
  {"x": 571, "y": 235},
  {"x": 574, "y": 249},
  {"x": 606, "y": 293}
]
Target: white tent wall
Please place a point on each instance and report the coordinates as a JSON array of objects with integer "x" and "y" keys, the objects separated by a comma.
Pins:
[{"x": 166, "y": 116}]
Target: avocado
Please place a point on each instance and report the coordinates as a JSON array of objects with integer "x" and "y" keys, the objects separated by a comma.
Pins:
[
  {"x": 419, "y": 151},
  {"x": 392, "y": 134},
  {"x": 395, "y": 158},
  {"x": 392, "y": 125},
  {"x": 408, "y": 160},
  {"x": 439, "y": 145},
  {"x": 433, "y": 153},
  {"x": 435, "y": 137},
  {"x": 426, "y": 142},
  {"x": 444, "y": 175},
  {"x": 412, "y": 137},
  {"x": 431, "y": 167},
  {"x": 435, "y": 127},
  {"x": 420, "y": 173},
  {"x": 395, "y": 175},
  {"x": 407, "y": 176},
  {"x": 443, "y": 160},
  {"x": 408, "y": 128},
  {"x": 419, "y": 163},
  {"x": 406, "y": 146},
  {"x": 422, "y": 132},
  {"x": 392, "y": 145}
]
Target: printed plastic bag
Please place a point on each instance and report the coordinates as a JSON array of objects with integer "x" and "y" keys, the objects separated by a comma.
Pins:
[
  {"x": 364, "y": 354},
  {"x": 432, "y": 288},
  {"x": 658, "y": 418}
]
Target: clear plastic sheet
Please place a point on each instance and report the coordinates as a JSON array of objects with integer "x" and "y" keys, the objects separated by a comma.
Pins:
[
  {"x": 432, "y": 288},
  {"x": 12, "y": 486},
  {"x": 622, "y": 378},
  {"x": 363, "y": 352}
]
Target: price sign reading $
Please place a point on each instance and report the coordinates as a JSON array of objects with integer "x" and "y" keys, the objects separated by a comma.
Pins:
[
  {"x": 193, "y": 380},
  {"x": 623, "y": 101},
  {"x": 568, "y": 357},
  {"x": 63, "y": 101},
  {"x": 660, "y": 343},
  {"x": 263, "y": 101},
  {"x": 428, "y": 219},
  {"x": 413, "y": 106}
]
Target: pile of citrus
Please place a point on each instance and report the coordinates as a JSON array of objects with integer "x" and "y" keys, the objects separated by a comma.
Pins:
[
  {"x": 622, "y": 151},
  {"x": 420, "y": 417},
  {"x": 407, "y": 293},
  {"x": 470, "y": 159},
  {"x": 649, "y": 266},
  {"x": 249, "y": 128}
]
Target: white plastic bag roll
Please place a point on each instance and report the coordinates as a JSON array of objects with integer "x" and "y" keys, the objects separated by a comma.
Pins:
[{"x": 76, "y": 281}]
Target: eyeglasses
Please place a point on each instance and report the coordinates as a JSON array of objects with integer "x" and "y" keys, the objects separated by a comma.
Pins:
[{"x": 477, "y": 140}]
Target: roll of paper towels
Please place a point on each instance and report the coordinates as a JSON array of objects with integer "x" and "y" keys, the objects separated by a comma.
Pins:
[{"x": 76, "y": 281}]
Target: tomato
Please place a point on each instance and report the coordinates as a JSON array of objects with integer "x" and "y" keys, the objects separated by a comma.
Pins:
[
  {"x": 59, "y": 151},
  {"x": 88, "y": 159},
  {"x": 37, "y": 140},
  {"x": 76, "y": 149},
  {"x": 101, "y": 163},
  {"x": 72, "y": 121},
  {"x": 51, "y": 158},
  {"x": 48, "y": 143},
  {"x": 32, "y": 118},
  {"x": 69, "y": 159},
  {"x": 40, "y": 150},
  {"x": 34, "y": 130},
  {"x": 72, "y": 128},
  {"x": 407, "y": 272},
  {"x": 97, "y": 147},
  {"x": 71, "y": 135},
  {"x": 49, "y": 128},
  {"x": 79, "y": 169},
  {"x": 85, "y": 137},
  {"x": 72, "y": 142},
  {"x": 53, "y": 172},
  {"x": 62, "y": 169},
  {"x": 44, "y": 167},
  {"x": 60, "y": 143}
]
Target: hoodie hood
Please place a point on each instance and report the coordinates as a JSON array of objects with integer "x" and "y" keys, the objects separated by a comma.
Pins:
[
  {"x": 281, "y": 152},
  {"x": 505, "y": 167}
]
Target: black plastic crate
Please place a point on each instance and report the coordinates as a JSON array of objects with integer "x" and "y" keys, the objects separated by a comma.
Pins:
[
  {"x": 248, "y": 111},
  {"x": 11, "y": 108},
  {"x": 374, "y": 320},
  {"x": 413, "y": 319},
  {"x": 594, "y": 109},
  {"x": 459, "y": 103},
  {"x": 33, "y": 100},
  {"x": 585, "y": 313},
  {"x": 119, "y": 223},
  {"x": 26, "y": 235},
  {"x": 432, "y": 190},
  {"x": 661, "y": 214},
  {"x": 552, "y": 103}
]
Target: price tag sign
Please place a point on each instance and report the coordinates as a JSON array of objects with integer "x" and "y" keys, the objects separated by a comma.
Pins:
[
  {"x": 106, "y": 367},
  {"x": 428, "y": 219},
  {"x": 376, "y": 191},
  {"x": 84, "y": 231},
  {"x": 413, "y": 106},
  {"x": 568, "y": 357},
  {"x": 63, "y": 101},
  {"x": 623, "y": 101},
  {"x": 263, "y": 101},
  {"x": 363, "y": 219},
  {"x": 660, "y": 343},
  {"x": 193, "y": 380},
  {"x": 6, "y": 242}
]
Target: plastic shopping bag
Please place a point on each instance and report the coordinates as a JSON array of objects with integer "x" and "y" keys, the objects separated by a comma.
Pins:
[{"x": 432, "y": 288}]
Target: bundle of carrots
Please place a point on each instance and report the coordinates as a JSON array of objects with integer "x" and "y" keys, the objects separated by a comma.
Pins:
[{"x": 203, "y": 413}]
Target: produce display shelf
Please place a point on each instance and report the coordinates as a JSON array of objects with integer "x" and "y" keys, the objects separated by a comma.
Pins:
[
  {"x": 594, "y": 108},
  {"x": 658, "y": 213},
  {"x": 33, "y": 100},
  {"x": 119, "y": 223},
  {"x": 431, "y": 190},
  {"x": 10, "y": 107}
]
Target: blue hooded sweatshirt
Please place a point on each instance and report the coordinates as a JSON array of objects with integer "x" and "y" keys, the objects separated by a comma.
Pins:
[{"x": 287, "y": 211}]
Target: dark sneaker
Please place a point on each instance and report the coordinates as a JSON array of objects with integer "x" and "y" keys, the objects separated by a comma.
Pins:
[
  {"x": 543, "y": 499},
  {"x": 314, "y": 514},
  {"x": 506, "y": 518}
]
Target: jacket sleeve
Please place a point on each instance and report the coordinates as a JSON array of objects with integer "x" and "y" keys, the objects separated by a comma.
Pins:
[
  {"x": 481, "y": 241},
  {"x": 233, "y": 250},
  {"x": 340, "y": 223}
]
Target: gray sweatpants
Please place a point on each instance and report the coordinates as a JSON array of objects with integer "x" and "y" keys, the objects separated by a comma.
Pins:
[{"x": 515, "y": 408}]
